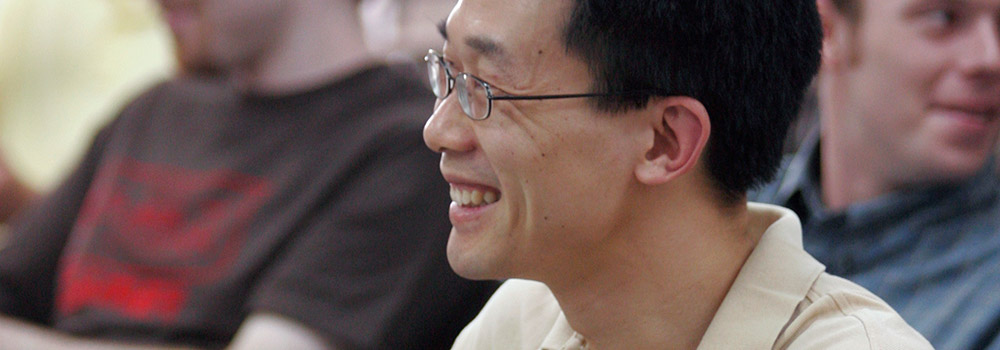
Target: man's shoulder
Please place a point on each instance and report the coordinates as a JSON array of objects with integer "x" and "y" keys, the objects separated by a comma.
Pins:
[
  {"x": 379, "y": 102},
  {"x": 387, "y": 85},
  {"x": 519, "y": 316},
  {"x": 838, "y": 314},
  {"x": 177, "y": 94}
]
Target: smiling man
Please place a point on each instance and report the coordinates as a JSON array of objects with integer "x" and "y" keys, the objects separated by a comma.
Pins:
[
  {"x": 603, "y": 149},
  {"x": 898, "y": 191}
]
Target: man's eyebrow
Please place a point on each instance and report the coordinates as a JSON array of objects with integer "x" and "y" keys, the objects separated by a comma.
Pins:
[
  {"x": 487, "y": 47},
  {"x": 484, "y": 46}
]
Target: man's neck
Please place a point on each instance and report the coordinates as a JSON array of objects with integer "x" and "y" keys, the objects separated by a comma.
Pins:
[
  {"x": 851, "y": 169},
  {"x": 321, "y": 44},
  {"x": 659, "y": 283},
  {"x": 846, "y": 176}
]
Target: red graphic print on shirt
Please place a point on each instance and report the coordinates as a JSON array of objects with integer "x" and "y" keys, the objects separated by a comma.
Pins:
[{"x": 149, "y": 233}]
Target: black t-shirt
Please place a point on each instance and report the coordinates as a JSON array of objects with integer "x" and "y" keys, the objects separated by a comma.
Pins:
[{"x": 198, "y": 206}]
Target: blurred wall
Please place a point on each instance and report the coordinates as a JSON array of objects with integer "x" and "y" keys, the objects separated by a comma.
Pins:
[{"x": 66, "y": 67}]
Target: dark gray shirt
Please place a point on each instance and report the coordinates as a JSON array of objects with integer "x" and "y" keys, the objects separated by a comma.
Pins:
[{"x": 199, "y": 206}]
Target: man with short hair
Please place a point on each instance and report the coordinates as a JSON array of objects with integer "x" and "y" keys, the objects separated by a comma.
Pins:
[
  {"x": 897, "y": 189},
  {"x": 286, "y": 204},
  {"x": 604, "y": 148}
]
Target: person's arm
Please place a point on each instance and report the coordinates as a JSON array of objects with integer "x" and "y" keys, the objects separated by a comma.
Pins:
[
  {"x": 16, "y": 334},
  {"x": 15, "y": 195},
  {"x": 29, "y": 257},
  {"x": 272, "y": 331},
  {"x": 259, "y": 331}
]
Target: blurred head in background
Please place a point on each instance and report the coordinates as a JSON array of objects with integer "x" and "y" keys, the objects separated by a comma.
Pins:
[
  {"x": 910, "y": 89},
  {"x": 213, "y": 35},
  {"x": 268, "y": 44}
]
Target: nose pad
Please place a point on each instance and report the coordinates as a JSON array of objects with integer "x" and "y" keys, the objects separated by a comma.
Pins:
[{"x": 448, "y": 129}]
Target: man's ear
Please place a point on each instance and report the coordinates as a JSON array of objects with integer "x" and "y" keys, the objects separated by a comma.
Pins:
[
  {"x": 681, "y": 128},
  {"x": 838, "y": 49}
]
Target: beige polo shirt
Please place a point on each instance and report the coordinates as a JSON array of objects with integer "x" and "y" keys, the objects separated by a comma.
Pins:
[{"x": 781, "y": 299}]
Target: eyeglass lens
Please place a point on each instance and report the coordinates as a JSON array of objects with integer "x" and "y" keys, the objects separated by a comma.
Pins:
[
  {"x": 472, "y": 96},
  {"x": 437, "y": 76},
  {"x": 472, "y": 93}
]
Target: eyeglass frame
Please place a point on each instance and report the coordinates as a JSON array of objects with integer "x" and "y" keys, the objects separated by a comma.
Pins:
[{"x": 490, "y": 97}]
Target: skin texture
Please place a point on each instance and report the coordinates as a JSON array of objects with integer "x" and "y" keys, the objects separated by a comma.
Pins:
[{"x": 910, "y": 94}]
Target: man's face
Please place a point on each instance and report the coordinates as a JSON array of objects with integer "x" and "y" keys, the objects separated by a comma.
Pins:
[
  {"x": 923, "y": 88},
  {"x": 555, "y": 167},
  {"x": 220, "y": 34}
]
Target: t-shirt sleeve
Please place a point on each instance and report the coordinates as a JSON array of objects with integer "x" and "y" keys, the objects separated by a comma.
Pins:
[
  {"x": 29, "y": 259},
  {"x": 369, "y": 270}
]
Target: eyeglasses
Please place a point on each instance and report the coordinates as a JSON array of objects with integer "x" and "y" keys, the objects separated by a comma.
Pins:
[{"x": 474, "y": 95}]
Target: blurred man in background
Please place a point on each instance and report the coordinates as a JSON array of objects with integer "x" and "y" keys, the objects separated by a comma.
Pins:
[
  {"x": 898, "y": 188},
  {"x": 276, "y": 195}
]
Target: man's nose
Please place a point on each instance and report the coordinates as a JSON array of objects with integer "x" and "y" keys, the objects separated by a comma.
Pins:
[
  {"x": 983, "y": 55},
  {"x": 448, "y": 129}
]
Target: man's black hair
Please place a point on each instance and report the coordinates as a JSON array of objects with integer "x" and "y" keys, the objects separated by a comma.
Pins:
[{"x": 747, "y": 61}]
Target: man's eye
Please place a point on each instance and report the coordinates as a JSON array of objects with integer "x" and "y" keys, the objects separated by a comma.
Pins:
[
  {"x": 944, "y": 17},
  {"x": 452, "y": 67},
  {"x": 941, "y": 20}
]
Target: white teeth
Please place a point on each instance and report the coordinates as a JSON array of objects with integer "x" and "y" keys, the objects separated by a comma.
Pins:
[{"x": 473, "y": 198}]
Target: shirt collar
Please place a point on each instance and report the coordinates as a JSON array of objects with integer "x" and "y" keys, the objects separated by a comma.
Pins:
[
  {"x": 773, "y": 281},
  {"x": 770, "y": 286},
  {"x": 797, "y": 174},
  {"x": 801, "y": 177},
  {"x": 563, "y": 337}
]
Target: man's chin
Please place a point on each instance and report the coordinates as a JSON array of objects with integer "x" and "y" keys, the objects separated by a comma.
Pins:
[
  {"x": 957, "y": 167},
  {"x": 468, "y": 273},
  {"x": 191, "y": 64},
  {"x": 471, "y": 266}
]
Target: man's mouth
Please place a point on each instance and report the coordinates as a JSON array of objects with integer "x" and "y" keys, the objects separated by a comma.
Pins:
[
  {"x": 981, "y": 115},
  {"x": 984, "y": 114},
  {"x": 473, "y": 197}
]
